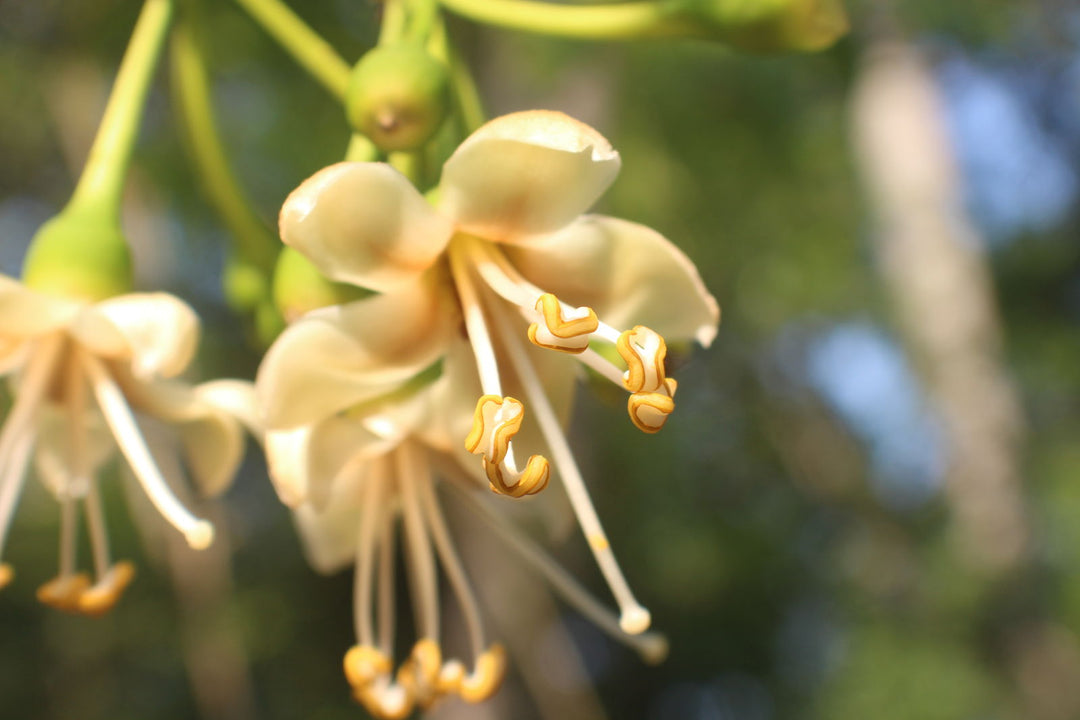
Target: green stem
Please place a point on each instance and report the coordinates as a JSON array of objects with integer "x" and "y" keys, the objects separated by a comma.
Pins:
[
  {"x": 423, "y": 18},
  {"x": 394, "y": 19},
  {"x": 305, "y": 45},
  {"x": 191, "y": 86},
  {"x": 102, "y": 182},
  {"x": 598, "y": 22}
]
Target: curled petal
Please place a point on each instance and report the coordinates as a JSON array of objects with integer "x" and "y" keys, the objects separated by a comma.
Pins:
[
  {"x": 157, "y": 332},
  {"x": 365, "y": 224},
  {"x": 525, "y": 174},
  {"x": 308, "y": 464},
  {"x": 628, "y": 273},
  {"x": 212, "y": 437},
  {"x": 335, "y": 358},
  {"x": 328, "y": 536},
  {"x": 25, "y": 313}
]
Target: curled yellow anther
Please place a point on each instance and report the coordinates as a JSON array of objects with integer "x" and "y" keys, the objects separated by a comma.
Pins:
[
  {"x": 419, "y": 675},
  {"x": 495, "y": 422},
  {"x": 505, "y": 481},
  {"x": 7, "y": 573},
  {"x": 566, "y": 331},
  {"x": 650, "y": 410},
  {"x": 63, "y": 592},
  {"x": 450, "y": 677},
  {"x": 643, "y": 351},
  {"x": 385, "y": 700},
  {"x": 486, "y": 677},
  {"x": 99, "y": 598},
  {"x": 363, "y": 664}
]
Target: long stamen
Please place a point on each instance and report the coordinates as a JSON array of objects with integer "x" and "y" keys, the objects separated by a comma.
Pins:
[
  {"x": 455, "y": 571},
  {"x": 364, "y": 574},
  {"x": 112, "y": 580},
  {"x": 634, "y": 617},
  {"x": 17, "y": 436},
  {"x": 421, "y": 562},
  {"x": 198, "y": 533},
  {"x": 95, "y": 526},
  {"x": 386, "y": 586},
  {"x": 651, "y": 646},
  {"x": 479, "y": 337}
]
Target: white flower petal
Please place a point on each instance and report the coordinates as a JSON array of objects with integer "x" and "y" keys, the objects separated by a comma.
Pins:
[
  {"x": 628, "y": 273},
  {"x": 26, "y": 313},
  {"x": 307, "y": 464},
  {"x": 334, "y": 358},
  {"x": 157, "y": 332},
  {"x": 329, "y": 537},
  {"x": 212, "y": 437},
  {"x": 365, "y": 224},
  {"x": 525, "y": 174}
]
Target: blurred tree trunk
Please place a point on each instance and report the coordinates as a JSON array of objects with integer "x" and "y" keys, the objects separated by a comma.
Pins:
[{"x": 935, "y": 270}]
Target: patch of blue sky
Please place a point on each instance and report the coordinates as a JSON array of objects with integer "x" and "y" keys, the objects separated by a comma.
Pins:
[
  {"x": 864, "y": 376},
  {"x": 1017, "y": 175}
]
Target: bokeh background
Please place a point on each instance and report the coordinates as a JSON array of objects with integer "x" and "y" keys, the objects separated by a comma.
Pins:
[{"x": 868, "y": 504}]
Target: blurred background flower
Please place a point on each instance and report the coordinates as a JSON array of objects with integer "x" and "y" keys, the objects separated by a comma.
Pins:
[{"x": 868, "y": 502}]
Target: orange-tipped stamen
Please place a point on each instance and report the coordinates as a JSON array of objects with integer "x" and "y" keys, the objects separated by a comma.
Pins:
[
  {"x": 564, "y": 329},
  {"x": 649, "y": 411},
  {"x": 486, "y": 676}
]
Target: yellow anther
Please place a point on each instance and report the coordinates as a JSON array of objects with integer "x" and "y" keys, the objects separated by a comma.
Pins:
[
  {"x": 7, "y": 573},
  {"x": 63, "y": 592},
  {"x": 486, "y": 677},
  {"x": 533, "y": 479},
  {"x": 104, "y": 594},
  {"x": 495, "y": 421},
  {"x": 635, "y": 620},
  {"x": 650, "y": 410},
  {"x": 419, "y": 675},
  {"x": 450, "y": 677},
  {"x": 385, "y": 701},
  {"x": 566, "y": 331},
  {"x": 643, "y": 351},
  {"x": 364, "y": 664}
]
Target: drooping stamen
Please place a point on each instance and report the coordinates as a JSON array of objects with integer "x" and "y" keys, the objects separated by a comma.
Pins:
[
  {"x": 364, "y": 573},
  {"x": 651, "y": 646},
  {"x": 63, "y": 591},
  {"x": 486, "y": 677},
  {"x": 454, "y": 569},
  {"x": 495, "y": 422},
  {"x": 387, "y": 586},
  {"x": 566, "y": 331},
  {"x": 17, "y": 436},
  {"x": 198, "y": 533},
  {"x": 634, "y": 617},
  {"x": 421, "y": 561}
]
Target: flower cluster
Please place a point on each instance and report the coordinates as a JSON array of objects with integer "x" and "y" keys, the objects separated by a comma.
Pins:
[
  {"x": 498, "y": 286},
  {"x": 82, "y": 373}
]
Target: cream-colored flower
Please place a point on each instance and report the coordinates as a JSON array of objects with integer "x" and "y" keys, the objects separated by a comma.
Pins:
[
  {"x": 507, "y": 249},
  {"x": 382, "y": 421},
  {"x": 80, "y": 373}
]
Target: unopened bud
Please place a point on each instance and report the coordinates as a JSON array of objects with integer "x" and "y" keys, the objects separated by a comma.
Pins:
[{"x": 398, "y": 97}]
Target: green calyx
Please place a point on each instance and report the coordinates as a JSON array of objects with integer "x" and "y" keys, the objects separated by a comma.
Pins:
[
  {"x": 766, "y": 25},
  {"x": 299, "y": 287},
  {"x": 79, "y": 254},
  {"x": 398, "y": 96}
]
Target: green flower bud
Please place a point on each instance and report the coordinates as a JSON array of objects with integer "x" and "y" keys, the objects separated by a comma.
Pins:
[
  {"x": 398, "y": 96},
  {"x": 299, "y": 287},
  {"x": 768, "y": 25},
  {"x": 79, "y": 254}
]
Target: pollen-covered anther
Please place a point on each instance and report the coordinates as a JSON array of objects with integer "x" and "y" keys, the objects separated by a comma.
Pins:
[
  {"x": 506, "y": 480},
  {"x": 7, "y": 574},
  {"x": 419, "y": 674},
  {"x": 63, "y": 592},
  {"x": 650, "y": 410},
  {"x": 643, "y": 350},
  {"x": 486, "y": 677},
  {"x": 562, "y": 329},
  {"x": 100, "y": 597},
  {"x": 368, "y": 671},
  {"x": 495, "y": 423}
]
